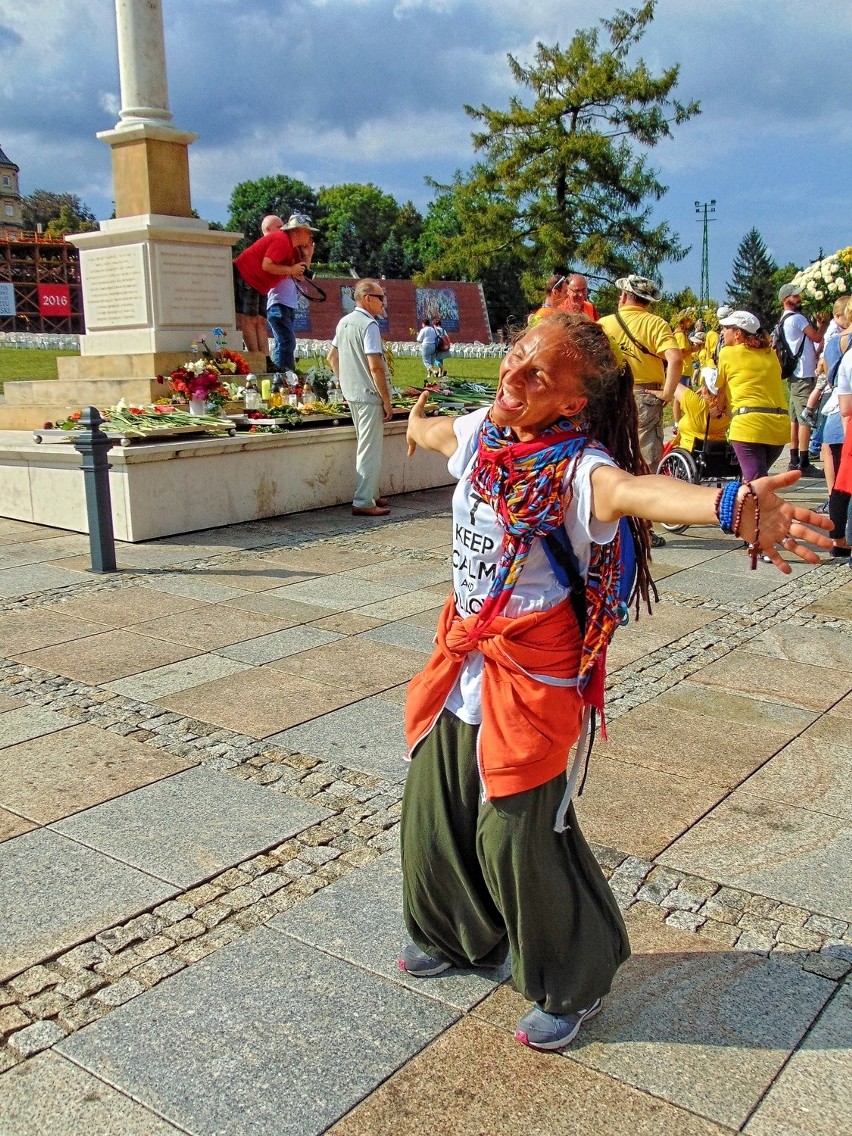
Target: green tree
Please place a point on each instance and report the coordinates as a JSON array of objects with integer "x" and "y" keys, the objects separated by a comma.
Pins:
[
  {"x": 752, "y": 286},
  {"x": 406, "y": 230},
  {"x": 501, "y": 277},
  {"x": 565, "y": 178},
  {"x": 357, "y": 221},
  {"x": 42, "y": 207},
  {"x": 251, "y": 201},
  {"x": 392, "y": 258}
]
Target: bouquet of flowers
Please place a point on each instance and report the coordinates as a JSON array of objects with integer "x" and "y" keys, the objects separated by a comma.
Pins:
[
  {"x": 824, "y": 280},
  {"x": 204, "y": 376}
]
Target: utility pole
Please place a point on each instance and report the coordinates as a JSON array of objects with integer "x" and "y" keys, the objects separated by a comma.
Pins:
[{"x": 704, "y": 209}]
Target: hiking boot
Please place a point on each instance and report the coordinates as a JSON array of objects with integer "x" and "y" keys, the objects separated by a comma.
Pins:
[
  {"x": 420, "y": 965},
  {"x": 657, "y": 541},
  {"x": 792, "y": 464},
  {"x": 540, "y": 1030}
]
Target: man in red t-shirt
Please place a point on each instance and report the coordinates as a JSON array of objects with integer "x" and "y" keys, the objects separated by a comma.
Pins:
[
  {"x": 250, "y": 305},
  {"x": 284, "y": 252}
]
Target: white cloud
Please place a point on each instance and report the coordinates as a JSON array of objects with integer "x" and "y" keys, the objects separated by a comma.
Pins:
[{"x": 357, "y": 90}]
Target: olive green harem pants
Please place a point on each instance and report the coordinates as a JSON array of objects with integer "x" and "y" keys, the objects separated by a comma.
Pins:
[{"x": 483, "y": 876}]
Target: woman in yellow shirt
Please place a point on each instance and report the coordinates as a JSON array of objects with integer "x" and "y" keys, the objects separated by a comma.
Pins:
[
  {"x": 750, "y": 377},
  {"x": 703, "y": 413}
]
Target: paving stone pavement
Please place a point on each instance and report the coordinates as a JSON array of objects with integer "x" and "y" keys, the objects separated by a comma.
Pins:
[{"x": 201, "y": 768}]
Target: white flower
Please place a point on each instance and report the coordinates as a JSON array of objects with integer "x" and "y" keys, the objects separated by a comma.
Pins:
[
  {"x": 819, "y": 295},
  {"x": 841, "y": 283}
]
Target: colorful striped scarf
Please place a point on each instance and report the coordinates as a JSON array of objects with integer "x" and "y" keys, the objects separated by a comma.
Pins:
[{"x": 523, "y": 483}]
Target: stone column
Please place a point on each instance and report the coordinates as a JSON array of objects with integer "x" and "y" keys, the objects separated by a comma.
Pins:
[
  {"x": 141, "y": 63},
  {"x": 155, "y": 276},
  {"x": 150, "y": 159}
]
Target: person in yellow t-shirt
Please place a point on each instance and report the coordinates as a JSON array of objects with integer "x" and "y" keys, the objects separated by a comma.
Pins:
[
  {"x": 648, "y": 344},
  {"x": 696, "y": 408},
  {"x": 750, "y": 377},
  {"x": 713, "y": 344},
  {"x": 681, "y": 330}
]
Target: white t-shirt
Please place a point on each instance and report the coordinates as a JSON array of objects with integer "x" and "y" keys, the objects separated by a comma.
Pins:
[
  {"x": 794, "y": 333},
  {"x": 477, "y": 541},
  {"x": 285, "y": 292}
]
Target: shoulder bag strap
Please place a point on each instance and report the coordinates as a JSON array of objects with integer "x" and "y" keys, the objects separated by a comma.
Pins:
[
  {"x": 633, "y": 338},
  {"x": 798, "y": 353}
]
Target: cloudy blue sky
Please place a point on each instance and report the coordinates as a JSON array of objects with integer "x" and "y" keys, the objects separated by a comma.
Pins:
[{"x": 332, "y": 91}]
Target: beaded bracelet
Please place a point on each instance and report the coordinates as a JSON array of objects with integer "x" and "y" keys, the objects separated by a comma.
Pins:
[
  {"x": 725, "y": 505},
  {"x": 754, "y": 546}
]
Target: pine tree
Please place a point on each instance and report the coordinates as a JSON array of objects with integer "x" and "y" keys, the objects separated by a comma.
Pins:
[
  {"x": 564, "y": 179},
  {"x": 752, "y": 288}
]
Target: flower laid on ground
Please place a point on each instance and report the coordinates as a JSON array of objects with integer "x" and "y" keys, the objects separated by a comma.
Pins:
[
  {"x": 142, "y": 421},
  {"x": 824, "y": 280}
]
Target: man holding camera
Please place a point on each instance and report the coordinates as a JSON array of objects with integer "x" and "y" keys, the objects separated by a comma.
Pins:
[{"x": 273, "y": 265}]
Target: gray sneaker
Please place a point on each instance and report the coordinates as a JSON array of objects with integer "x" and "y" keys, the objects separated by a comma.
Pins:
[
  {"x": 540, "y": 1030},
  {"x": 420, "y": 965}
]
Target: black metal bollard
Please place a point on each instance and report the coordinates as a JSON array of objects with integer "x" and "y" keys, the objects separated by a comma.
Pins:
[{"x": 93, "y": 444}]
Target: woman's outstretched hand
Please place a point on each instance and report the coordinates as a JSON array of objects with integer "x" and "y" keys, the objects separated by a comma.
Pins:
[
  {"x": 417, "y": 411},
  {"x": 782, "y": 525}
]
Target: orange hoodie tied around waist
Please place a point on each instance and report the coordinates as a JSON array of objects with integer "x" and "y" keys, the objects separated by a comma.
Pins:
[{"x": 528, "y": 724}]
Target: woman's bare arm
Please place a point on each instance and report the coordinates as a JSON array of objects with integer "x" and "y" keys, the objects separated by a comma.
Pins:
[
  {"x": 616, "y": 493},
  {"x": 430, "y": 433}
]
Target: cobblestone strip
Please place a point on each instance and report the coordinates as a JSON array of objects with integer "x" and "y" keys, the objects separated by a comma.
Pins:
[
  {"x": 57, "y": 996},
  {"x": 649, "y": 677},
  {"x": 736, "y": 918},
  {"x": 54, "y": 998}
]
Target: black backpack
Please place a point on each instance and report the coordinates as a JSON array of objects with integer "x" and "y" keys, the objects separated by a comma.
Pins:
[{"x": 787, "y": 358}]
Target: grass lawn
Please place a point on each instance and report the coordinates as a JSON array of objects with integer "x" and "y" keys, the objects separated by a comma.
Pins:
[
  {"x": 21, "y": 364},
  {"x": 16, "y": 364},
  {"x": 411, "y": 372}
]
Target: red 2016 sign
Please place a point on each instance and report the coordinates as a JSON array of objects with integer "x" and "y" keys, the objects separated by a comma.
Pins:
[{"x": 54, "y": 300}]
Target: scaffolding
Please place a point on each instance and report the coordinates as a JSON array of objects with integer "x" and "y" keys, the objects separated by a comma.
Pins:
[{"x": 28, "y": 260}]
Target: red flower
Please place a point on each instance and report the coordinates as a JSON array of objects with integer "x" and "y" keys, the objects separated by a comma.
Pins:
[{"x": 237, "y": 359}]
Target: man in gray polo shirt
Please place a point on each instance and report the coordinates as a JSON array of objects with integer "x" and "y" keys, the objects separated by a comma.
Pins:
[{"x": 358, "y": 361}]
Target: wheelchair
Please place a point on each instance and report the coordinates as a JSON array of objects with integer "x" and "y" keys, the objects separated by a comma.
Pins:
[{"x": 713, "y": 462}]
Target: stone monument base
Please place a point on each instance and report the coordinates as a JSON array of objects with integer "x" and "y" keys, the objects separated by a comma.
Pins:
[
  {"x": 183, "y": 485},
  {"x": 154, "y": 283}
]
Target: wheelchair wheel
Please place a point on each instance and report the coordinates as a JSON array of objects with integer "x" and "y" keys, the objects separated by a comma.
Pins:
[{"x": 679, "y": 464}]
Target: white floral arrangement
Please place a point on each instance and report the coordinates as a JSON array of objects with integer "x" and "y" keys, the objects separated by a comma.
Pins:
[{"x": 824, "y": 280}]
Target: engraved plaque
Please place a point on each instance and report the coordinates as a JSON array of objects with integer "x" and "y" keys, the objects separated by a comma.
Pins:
[
  {"x": 195, "y": 285},
  {"x": 114, "y": 288}
]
